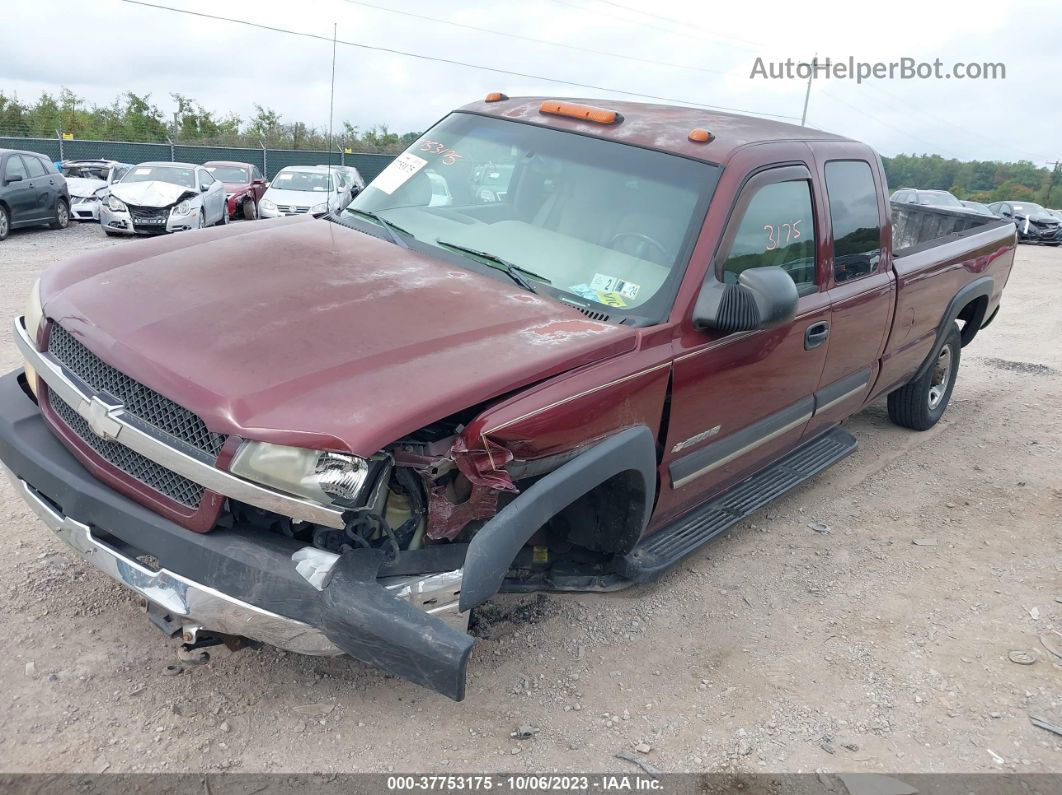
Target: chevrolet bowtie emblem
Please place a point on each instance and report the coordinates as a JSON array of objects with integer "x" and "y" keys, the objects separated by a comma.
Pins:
[{"x": 98, "y": 416}]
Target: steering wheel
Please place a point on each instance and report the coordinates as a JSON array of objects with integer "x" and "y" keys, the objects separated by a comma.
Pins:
[{"x": 645, "y": 242}]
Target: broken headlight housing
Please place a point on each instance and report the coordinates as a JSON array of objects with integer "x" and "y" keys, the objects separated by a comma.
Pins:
[
  {"x": 182, "y": 208},
  {"x": 319, "y": 475},
  {"x": 116, "y": 204}
]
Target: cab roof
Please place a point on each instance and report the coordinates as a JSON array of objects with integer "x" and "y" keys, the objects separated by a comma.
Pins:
[{"x": 662, "y": 127}]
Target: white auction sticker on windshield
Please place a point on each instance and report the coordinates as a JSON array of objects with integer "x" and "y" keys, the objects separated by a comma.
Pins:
[
  {"x": 612, "y": 284},
  {"x": 398, "y": 172},
  {"x": 142, "y": 172}
]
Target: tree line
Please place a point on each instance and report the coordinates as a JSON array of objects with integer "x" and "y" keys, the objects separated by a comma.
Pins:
[{"x": 133, "y": 117}]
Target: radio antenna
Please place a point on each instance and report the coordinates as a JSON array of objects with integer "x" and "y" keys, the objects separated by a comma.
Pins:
[{"x": 332, "y": 100}]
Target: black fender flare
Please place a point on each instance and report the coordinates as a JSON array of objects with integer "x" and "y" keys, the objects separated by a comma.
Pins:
[
  {"x": 494, "y": 547},
  {"x": 979, "y": 288}
]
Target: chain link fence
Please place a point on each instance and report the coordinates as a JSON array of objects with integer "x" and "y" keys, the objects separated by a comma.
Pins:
[{"x": 269, "y": 160}]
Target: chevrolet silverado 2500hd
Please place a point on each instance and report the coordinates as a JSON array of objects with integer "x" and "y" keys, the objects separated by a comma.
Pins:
[{"x": 341, "y": 436}]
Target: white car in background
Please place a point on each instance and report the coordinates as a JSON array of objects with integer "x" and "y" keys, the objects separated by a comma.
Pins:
[
  {"x": 354, "y": 182},
  {"x": 156, "y": 198},
  {"x": 89, "y": 182},
  {"x": 298, "y": 190}
]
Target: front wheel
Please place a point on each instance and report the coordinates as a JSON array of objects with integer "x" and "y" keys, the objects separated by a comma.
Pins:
[
  {"x": 5, "y": 223},
  {"x": 920, "y": 404},
  {"x": 224, "y": 219},
  {"x": 62, "y": 215},
  {"x": 250, "y": 210}
]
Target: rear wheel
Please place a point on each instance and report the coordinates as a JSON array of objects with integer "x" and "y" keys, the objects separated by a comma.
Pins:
[
  {"x": 5, "y": 223},
  {"x": 920, "y": 404},
  {"x": 62, "y": 215}
]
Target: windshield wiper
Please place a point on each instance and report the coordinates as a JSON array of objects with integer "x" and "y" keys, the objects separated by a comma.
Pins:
[
  {"x": 391, "y": 229},
  {"x": 515, "y": 272}
]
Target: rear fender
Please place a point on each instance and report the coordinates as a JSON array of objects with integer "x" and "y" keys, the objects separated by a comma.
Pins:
[
  {"x": 493, "y": 548},
  {"x": 979, "y": 288}
]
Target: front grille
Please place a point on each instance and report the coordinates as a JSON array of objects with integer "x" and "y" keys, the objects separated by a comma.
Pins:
[
  {"x": 160, "y": 414},
  {"x": 144, "y": 470},
  {"x": 291, "y": 209}
]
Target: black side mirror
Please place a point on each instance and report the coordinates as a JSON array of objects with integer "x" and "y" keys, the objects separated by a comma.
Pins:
[
  {"x": 13, "y": 178},
  {"x": 762, "y": 298}
]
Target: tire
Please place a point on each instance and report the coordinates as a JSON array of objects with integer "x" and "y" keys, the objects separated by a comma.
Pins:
[
  {"x": 920, "y": 404},
  {"x": 109, "y": 233},
  {"x": 224, "y": 216},
  {"x": 5, "y": 223},
  {"x": 202, "y": 218},
  {"x": 250, "y": 210},
  {"x": 62, "y": 215}
]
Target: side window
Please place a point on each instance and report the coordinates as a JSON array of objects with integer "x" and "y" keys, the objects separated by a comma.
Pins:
[
  {"x": 256, "y": 174},
  {"x": 854, "y": 215},
  {"x": 34, "y": 166},
  {"x": 778, "y": 228},
  {"x": 205, "y": 178},
  {"x": 14, "y": 168}
]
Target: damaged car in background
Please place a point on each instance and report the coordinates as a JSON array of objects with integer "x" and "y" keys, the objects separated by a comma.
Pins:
[
  {"x": 341, "y": 437},
  {"x": 89, "y": 182},
  {"x": 156, "y": 198}
]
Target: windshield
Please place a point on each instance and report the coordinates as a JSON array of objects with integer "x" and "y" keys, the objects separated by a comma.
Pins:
[
  {"x": 85, "y": 172},
  {"x": 301, "y": 180},
  {"x": 601, "y": 223},
  {"x": 229, "y": 173},
  {"x": 940, "y": 198},
  {"x": 185, "y": 177}
]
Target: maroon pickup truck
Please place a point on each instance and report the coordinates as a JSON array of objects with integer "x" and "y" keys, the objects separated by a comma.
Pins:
[{"x": 551, "y": 347}]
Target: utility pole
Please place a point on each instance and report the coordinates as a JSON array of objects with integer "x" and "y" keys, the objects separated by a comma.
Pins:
[{"x": 807, "y": 92}]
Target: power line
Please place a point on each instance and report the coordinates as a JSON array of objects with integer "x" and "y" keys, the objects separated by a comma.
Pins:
[
  {"x": 682, "y": 22},
  {"x": 450, "y": 61},
  {"x": 532, "y": 39},
  {"x": 879, "y": 121},
  {"x": 720, "y": 39}
]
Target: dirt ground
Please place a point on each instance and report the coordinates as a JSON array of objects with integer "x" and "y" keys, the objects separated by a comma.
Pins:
[{"x": 880, "y": 646}]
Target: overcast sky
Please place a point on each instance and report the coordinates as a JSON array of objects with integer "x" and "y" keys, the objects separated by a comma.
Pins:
[{"x": 100, "y": 48}]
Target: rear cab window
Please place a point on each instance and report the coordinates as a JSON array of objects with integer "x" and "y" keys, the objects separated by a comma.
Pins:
[{"x": 853, "y": 203}]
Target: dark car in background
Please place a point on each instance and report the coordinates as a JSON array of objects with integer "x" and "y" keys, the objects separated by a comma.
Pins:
[
  {"x": 32, "y": 192},
  {"x": 927, "y": 198},
  {"x": 977, "y": 207},
  {"x": 244, "y": 186},
  {"x": 1035, "y": 224}
]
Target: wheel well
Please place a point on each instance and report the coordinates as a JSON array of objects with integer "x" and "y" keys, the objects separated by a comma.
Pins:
[
  {"x": 605, "y": 519},
  {"x": 972, "y": 316}
]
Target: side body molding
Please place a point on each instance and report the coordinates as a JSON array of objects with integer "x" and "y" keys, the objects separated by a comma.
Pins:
[{"x": 494, "y": 547}]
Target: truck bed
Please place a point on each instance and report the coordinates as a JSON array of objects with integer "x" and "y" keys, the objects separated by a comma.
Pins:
[{"x": 916, "y": 228}]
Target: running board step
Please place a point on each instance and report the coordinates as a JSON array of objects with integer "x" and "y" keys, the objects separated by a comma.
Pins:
[{"x": 654, "y": 555}]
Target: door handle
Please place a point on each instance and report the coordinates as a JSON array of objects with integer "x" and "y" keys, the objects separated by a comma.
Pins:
[{"x": 816, "y": 334}]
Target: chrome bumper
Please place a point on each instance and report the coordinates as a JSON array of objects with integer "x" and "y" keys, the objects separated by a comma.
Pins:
[
  {"x": 195, "y": 606},
  {"x": 199, "y": 608}
]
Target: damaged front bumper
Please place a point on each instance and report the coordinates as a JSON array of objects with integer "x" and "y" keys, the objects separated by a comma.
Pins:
[
  {"x": 162, "y": 221},
  {"x": 241, "y": 581}
]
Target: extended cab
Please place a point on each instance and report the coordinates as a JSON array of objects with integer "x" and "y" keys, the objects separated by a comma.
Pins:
[{"x": 342, "y": 435}]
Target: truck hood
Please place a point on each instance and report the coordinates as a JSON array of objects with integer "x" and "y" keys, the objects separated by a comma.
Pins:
[
  {"x": 304, "y": 332},
  {"x": 151, "y": 193},
  {"x": 84, "y": 186}
]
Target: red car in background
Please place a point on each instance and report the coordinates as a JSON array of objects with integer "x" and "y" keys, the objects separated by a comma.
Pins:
[{"x": 244, "y": 186}]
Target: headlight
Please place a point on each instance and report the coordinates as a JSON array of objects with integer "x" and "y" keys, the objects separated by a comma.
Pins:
[
  {"x": 266, "y": 204},
  {"x": 319, "y": 209},
  {"x": 183, "y": 208},
  {"x": 33, "y": 317},
  {"x": 318, "y": 475},
  {"x": 116, "y": 204}
]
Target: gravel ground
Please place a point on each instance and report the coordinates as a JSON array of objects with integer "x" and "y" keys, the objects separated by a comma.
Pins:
[{"x": 880, "y": 646}]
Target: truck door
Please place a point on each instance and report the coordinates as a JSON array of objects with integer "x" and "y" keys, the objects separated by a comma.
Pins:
[
  {"x": 861, "y": 288},
  {"x": 739, "y": 400}
]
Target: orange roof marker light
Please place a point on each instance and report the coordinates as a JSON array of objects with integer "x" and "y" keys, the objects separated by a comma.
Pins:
[
  {"x": 699, "y": 136},
  {"x": 583, "y": 112},
  {"x": 495, "y": 96}
]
